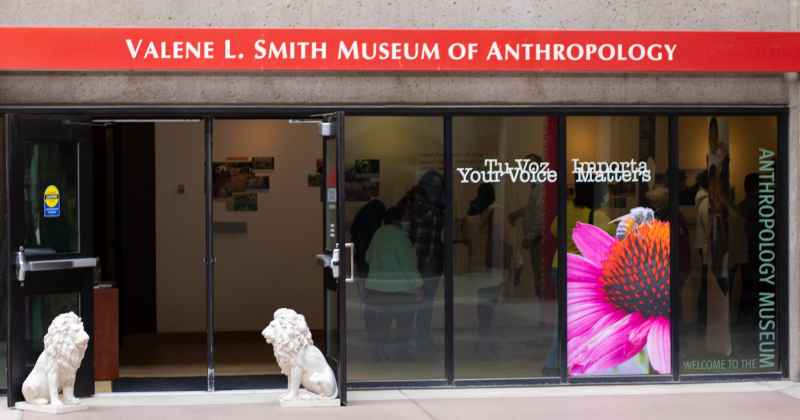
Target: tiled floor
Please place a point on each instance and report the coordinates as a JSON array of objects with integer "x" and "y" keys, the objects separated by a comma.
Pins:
[
  {"x": 730, "y": 401},
  {"x": 184, "y": 354}
]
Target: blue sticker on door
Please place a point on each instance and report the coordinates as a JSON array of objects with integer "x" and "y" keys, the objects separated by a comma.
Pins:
[{"x": 52, "y": 202}]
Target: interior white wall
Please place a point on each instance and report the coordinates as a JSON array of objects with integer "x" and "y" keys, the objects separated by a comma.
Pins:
[
  {"x": 269, "y": 267},
  {"x": 180, "y": 228}
]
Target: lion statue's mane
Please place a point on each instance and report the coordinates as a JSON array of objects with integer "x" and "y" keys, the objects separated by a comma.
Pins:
[
  {"x": 293, "y": 337},
  {"x": 60, "y": 345}
]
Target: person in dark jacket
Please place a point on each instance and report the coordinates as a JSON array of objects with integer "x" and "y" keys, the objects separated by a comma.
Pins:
[
  {"x": 659, "y": 200},
  {"x": 748, "y": 303},
  {"x": 425, "y": 206},
  {"x": 367, "y": 221}
]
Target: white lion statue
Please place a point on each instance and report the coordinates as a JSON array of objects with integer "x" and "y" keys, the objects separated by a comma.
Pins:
[
  {"x": 299, "y": 359},
  {"x": 64, "y": 346}
]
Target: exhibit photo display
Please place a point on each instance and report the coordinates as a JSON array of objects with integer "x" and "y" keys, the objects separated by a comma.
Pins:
[{"x": 238, "y": 180}]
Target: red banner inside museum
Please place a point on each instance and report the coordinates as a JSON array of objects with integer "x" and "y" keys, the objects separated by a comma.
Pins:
[{"x": 395, "y": 50}]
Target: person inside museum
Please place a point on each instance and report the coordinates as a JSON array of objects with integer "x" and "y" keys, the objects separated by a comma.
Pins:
[
  {"x": 748, "y": 303},
  {"x": 718, "y": 228},
  {"x": 425, "y": 206},
  {"x": 727, "y": 250},
  {"x": 393, "y": 287},
  {"x": 659, "y": 201},
  {"x": 701, "y": 243},
  {"x": 366, "y": 222},
  {"x": 531, "y": 216},
  {"x": 584, "y": 208},
  {"x": 493, "y": 253}
]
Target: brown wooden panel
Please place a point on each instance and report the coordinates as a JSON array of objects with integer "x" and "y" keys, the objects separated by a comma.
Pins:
[{"x": 106, "y": 334}]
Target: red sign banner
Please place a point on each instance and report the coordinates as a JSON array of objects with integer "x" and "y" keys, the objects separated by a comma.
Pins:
[{"x": 395, "y": 50}]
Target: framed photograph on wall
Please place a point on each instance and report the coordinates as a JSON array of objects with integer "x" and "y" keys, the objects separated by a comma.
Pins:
[
  {"x": 243, "y": 202},
  {"x": 263, "y": 165},
  {"x": 229, "y": 178},
  {"x": 257, "y": 184}
]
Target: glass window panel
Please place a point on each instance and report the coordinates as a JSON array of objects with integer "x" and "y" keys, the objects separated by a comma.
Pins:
[
  {"x": 40, "y": 311},
  {"x": 395, "y": 308},
  {"x": 504, "y": 201},
  {"x": 729, "y": 299},
  {"x": 618, "y": 277},
  {"x": 51, "y": 197}
]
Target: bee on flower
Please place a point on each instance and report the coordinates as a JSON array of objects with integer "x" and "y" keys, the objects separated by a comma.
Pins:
[{"x": 632, "y": 221}]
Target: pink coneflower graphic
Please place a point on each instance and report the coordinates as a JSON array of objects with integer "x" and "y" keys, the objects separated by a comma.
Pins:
[{"x": 618, "y": 298}]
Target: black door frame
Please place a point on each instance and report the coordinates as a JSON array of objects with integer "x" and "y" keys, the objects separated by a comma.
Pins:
[
  {"x": 209, "y": 258},
  {"x": 447, "y": 112},
  {"x": 55, "y": 128},
  {"x": 339, "y": 364},
  {"x": 336, "y": 121}
]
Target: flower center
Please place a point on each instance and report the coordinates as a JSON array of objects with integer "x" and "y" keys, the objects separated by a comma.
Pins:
[{"x": 636, "y": 275}]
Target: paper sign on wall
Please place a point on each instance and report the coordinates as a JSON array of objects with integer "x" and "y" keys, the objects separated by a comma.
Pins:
[{"x": 52, "y": 202}]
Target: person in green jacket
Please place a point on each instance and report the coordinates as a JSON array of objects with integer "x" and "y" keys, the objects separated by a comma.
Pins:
[{"x": 393, "y": 286}]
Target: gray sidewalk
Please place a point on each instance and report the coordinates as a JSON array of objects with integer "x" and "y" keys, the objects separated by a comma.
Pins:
[{"x": 729, "y": 401}]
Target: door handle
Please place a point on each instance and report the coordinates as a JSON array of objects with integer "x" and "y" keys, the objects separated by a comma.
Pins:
[
  {"x": 333, "y": 261},
  {"x": 352, "y": 277},
  {"x": 23, "y": 265},
  {"x": 324, "y": 260},
  {"x": 323, "y": 128},
  {"x": 330, "y": 261}
]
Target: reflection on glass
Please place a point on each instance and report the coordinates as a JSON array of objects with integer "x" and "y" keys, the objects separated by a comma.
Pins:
[
  {"x": 395, "y": 216},
  {"x": 40, "y": 311},
  {"x": 618, "y": 266},
  {"x": 51, "y": 197},
  {"x": 728, "y": 184},
  {"x": 393, "y": 289},
  {"x": 504, "y": 293}
]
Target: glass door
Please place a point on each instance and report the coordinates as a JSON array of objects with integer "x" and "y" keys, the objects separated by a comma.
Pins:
[
  {"x": 336, "y": 258},
  {"x": 50, "y": 257}
]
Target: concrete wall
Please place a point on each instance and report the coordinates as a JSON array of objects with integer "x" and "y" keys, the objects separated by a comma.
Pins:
[
  {"x": 720, "y": 15},
  {"x": 794, "y": 235},
  {"x": 793, "y": 88},
  {"x": 243, "y": 88},
  {"x": 400, "y": 88}
]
